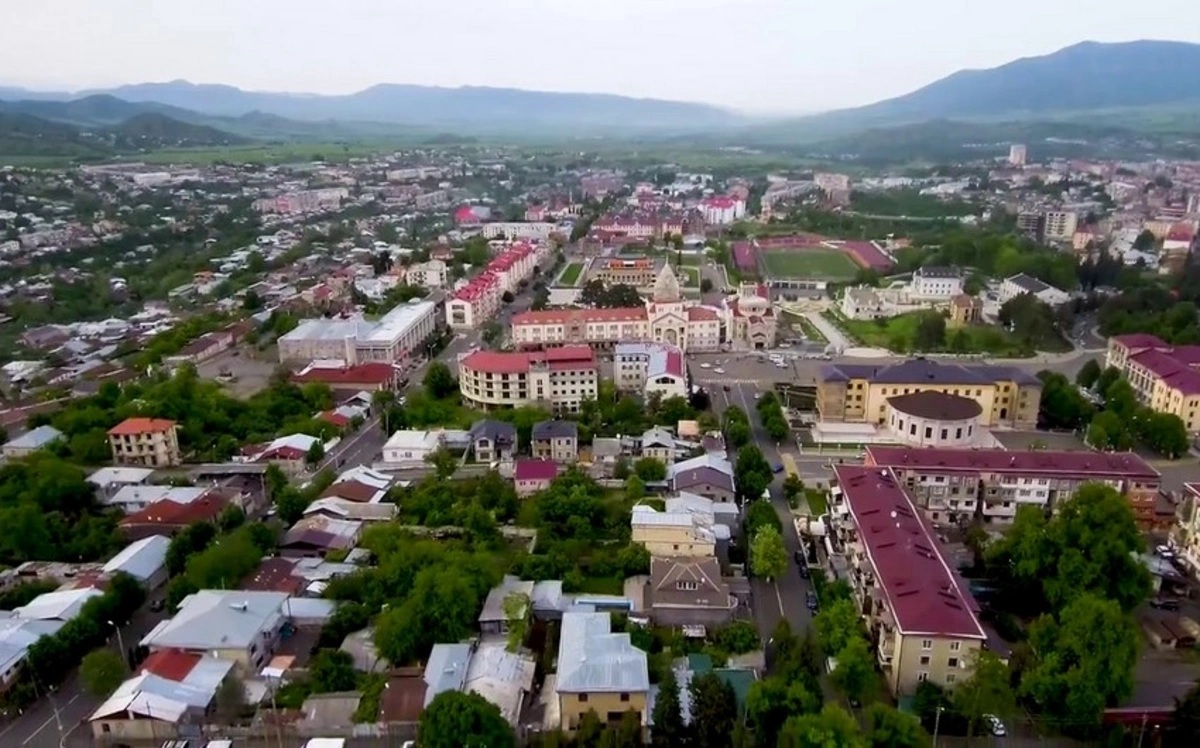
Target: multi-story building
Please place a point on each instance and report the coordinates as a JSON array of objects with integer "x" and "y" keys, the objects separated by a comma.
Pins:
[
  {"x": 1016, "y": 155},
  {"x": 858, "y": 393},
  {"x": 1021, "y": 283},
  {"x": 479, "y": 300},
  {"x": 956, "y": 484},
  {"x": 540, "y": 230},
  {"x": 750, "y": 321},
  {"x": 830, "y": 182},
  {"x": 667, "y": 318},
  {"x": 356, "y": 340},
  {"x": 923, "y": 620},
  {"x": 650, "y": 368},
  {"x": 937, "y": 282},
  {"x": 561, "y": 378},
  {"x": 1165, "y": 378},
  {"x": 148, "y": 442},
  {"x": 1060, "y": 225},
  {"x": 1030, "y": 223},
  {"x": 1185, "y": 535},
  {"x": 432, "y": 274},
  {"x": 671, "y": 533},
  {"x": 718, "y": 211},
  {"x": 863, "y": 302},
  {"x": 639, "y": 272},
  {"x": 305, "y": 201},
  {"x": 965, "y": 310}
]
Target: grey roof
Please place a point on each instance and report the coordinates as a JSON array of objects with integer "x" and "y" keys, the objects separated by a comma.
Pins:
[
  {"x": 926, "y": 371},
  {"x": 556, "y": 429},
  {"x": 496, "y": 431},
  {"x": 714, "y": 461},
  {"x": 658, "y": 437},
  {"x": 936, "y": 271},
  {"x": 36, "y": 439},
  {"x": 219, "y": 619},
  {"x": 606, "y": 447},
  {"x": 446, "y": 669},
  {"x": 592, "y": 659},
  {"x": 142, "y": 559},
  {"x": 493, "y": 607},
  {"x": 1029, "y": 283},
  {"x": 699, "y": 476}
]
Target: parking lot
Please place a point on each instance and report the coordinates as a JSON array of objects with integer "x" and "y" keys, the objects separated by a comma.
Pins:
[{"x": 242, "y": 371}]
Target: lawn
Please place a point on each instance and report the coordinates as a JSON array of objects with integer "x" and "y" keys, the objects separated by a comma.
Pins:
[
  {"x": 570, "y": 274},
  {"x": 693, "y": 275},
  {"x": 821, "y": 264},
  {"x": 897, "y": 333}
]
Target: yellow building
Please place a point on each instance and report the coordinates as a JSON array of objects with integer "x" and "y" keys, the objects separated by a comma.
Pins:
[
  {"x": 965, "y": 310},
  {"x": 1165, "y": 378},
  {"x": 149, "y": 442},
  {"x": 599, "y": 671},
  {"x": 924, "y": 623},
  {"x": 858, "y": 393},
  {"x": 671, "y": 533}
]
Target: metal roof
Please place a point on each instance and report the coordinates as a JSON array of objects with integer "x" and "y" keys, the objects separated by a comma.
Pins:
[
  {"x": 141, "y": 559},
  {"x": 592, "y": 659},
  {"x": 219, "y": 619}
]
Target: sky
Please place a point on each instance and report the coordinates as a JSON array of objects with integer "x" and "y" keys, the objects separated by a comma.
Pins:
[{"x": 758, "y": 56}]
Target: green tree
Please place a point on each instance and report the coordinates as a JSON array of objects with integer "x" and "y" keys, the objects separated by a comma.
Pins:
[
  {"x": 1088, "y": 374},
  {"x": 650, "y": 470},
  {"x": 1062, "y": 406},
  {"x": 837, "y": 623},
  {"x": 635, "y": 489},
  {"x": 331, "y": 670},
  {"x": 793, "y": 488},
  {"x": 738, "y": 637},
  {"x": 230, "y": 699},
  {"x": 887, "y": 727},
  {"x": 666, "y": 721},
  {"x": 714, "y": 711},
  {"x": 752, "y": 473},
  {"x": 930, "y": 334},
  {"x": 1145, "y": 240},
  {"x": 833, "y": 727},
  {"x": 1165, "y": 433},
  {"x": 1185, "y": 721},
  {"x": 101, "y": 671},
  {"x": 770, "y": 702},
  {"x": 315, "y": 454},
  {"x": 443, "y": 461},
  {"x": 768, "y": 557},
  {"x": 439, "y": 383},
  {"x": 516, "y": 612},
  {"x": 455, "y": 719},
  {"x": 761, "y": 514},
  {"x": 1082, "y": 660},
  {"x": 988, "y": 690},
  {"x": 855, "y": 669}
]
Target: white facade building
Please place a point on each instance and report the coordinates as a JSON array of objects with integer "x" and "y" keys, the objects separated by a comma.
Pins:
[
  {"x": 937, "y": 283},
  {"x": 407, "y": 447},
  {"x": 356, "y": 340},
  {"x": 1060, "y": 225},
  {"x": 540, "y": 230},
  {"x": 1021, "y": 283},
  {"x": 650, "y": 368},
  {"x": 432, "y": 274}
]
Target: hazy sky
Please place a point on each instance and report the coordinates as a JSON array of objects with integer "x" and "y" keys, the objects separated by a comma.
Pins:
[{"x": 757, "y": 55}]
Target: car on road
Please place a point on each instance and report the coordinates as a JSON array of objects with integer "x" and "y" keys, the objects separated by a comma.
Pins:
[
  {"x": 1165, "y": 603},
  {"x": 705, "y": 365},
  {"x": 995, "y": 725},
  {"x": 157, "y": 605},
  {"x": 777, "y": 467},
  {"x": 1164, "y": 551},
  {"x": 718, "y": 370},
  {"x": 725, "y": 387},
  {"x": 810, "y": 601}
]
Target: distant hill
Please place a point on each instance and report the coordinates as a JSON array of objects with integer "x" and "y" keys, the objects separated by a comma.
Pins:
[
  {"x": 100, "y": 109},
  {"x": 26, "y": 135},
  {"x": 468, "y": 107},
  {"x": 1086, "y": 77}
]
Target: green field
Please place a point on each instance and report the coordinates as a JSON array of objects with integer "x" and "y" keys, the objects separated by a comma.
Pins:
[
  {"x": 819, "y": 264},
  {"x": 693, "y": 275},
  {"x": 570, "y": 274},
  {"x": 897, "y": 334}
]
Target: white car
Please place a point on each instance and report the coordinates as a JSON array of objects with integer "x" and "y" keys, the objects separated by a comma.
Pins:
[
  {"x": 1164, "y": 551},
  {"x": 705, "y": 365},
  {"x": 996, "y": 725},
  {"x": 781, "y": 365},
  {"x": 718, "y": 370}
]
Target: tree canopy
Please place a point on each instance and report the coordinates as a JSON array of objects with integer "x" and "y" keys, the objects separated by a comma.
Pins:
[{"x": 455, "y": 719}]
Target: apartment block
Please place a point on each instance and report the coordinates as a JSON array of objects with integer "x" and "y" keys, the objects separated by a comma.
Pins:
[
  {"x": 147, "y": 442},
  {"x": 1166, "y": 378},
  {"x": 952, "y": 485},
  {"x": 561, "y": 378},
  {"x": 921, "y": 617}
]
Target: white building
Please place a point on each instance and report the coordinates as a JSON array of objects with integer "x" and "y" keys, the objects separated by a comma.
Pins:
[
  {"x": 939, "y": 283},
  {"x": 718, "y": 211},
  {"x": 650, "y": 368},
  {"x": 357, "y": 340},
  {"x": 561, "y": 378},
  {"x": 405, "y": 447},
  {"x": 1060, "y": 225},
  {"x": 1016, "y": 155},
  {"x": 862, "y": 302},
  {"x": 1021, "y": 283},
  {"x": 540, "y": 230},
  {"x": 432, "y": 274},
  {"x": 305, "y": 201},
  {"x": 478, "y": 300}
]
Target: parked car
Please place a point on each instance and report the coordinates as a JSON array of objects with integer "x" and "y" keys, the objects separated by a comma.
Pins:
[
  {"x": 157, "y": 604},
  {"x": 996, "y": 725},
  {"x": 1165, "y": 603},
  {"x": 810, "y": 600}
]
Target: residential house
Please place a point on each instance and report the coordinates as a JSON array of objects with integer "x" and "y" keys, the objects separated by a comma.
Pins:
[
  {"x": 61, "y": 605},
  {"x": 316, "y": 535},
  {"x": 359, "y": 484},
  {"x": 659, "y": 444},
  {"x": 493, "y": 619},
  {"x": 493, "y": 441},
  {"x": 531, "y": 476},
  {"x": 501, "y": 677},
  {"x": 708, "y": 475},
  {"x": 671, "y": 534},
  {"x": 109, "y": 480},
  {"x": 31, "y": 441},
  {"x": 135, "y": 498},
  {"x": 290, "y": 452},
  {"x": 17, "y": 634},
  {"x": 145, "y": 560},
  {"x": 923, "y": 619},
  {"x": 411, "y": 447},
  {"x": 1021, "y": 283},
  {"x": 686, "y": 591},
  {"x": 167, "y": 517},
  {"x": 599, "y": 671},
  {"x": 149, "y": 442},
  {"x": 241, "y": 626},
  {"x": 556, "y": 440},
  {"x": 173, "y": 694},
  {"x": 965, "y": 310}
]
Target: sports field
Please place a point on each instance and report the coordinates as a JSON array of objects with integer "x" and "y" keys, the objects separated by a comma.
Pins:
[{"x": 821, "y": 264}]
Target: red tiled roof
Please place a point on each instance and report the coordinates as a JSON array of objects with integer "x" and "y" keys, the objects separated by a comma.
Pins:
[
  {"x": 172, "y": 664},
  {"x": 337, "y": 419},
  {"x": 1173, "y": 372},
  {"x": 1067, "y": 464},
  {"x": 273, "y": 575},
  {"x": 578, "y": 316},
  {"x": 1140, "y": 340},
  {"x": 171, "y": 513},
  {"x": 501, "y": 362},
  {"x": 374, "y": 373},
  {"x": 697, "y": 313},
  {"x": 535, "y": 470},
  {"x": 924, "y": 594},
  {"x": 134, "y": 426}
]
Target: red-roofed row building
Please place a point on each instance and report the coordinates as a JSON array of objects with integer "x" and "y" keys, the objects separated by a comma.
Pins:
[
  {"x": 920, "y": 613},
  {"x": 561, "y": 378},
  {"x": 956, "y": 484},
  {"x": 479, "y": 299},
  {"x": 719, "y": 211},
  {"x": 369, "y": 377},
  {"x": 1165, "y": 378}
]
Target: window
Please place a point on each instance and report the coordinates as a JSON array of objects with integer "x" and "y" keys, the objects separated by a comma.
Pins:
[
  {"x": 950, "y": 678},
  {"x": 924, "y": 659},
  {"x": 687, "y": 586},
  {"x": 928, "y": 432},
  {"x": 955, "y": 646},
  {"x": 583, "y": 698},
  {"x": 952, "y": 662},
  {"x": 922, "y": 677},
  {"x": 624, "y": 697},
  {"x": 927, "y": 644}
]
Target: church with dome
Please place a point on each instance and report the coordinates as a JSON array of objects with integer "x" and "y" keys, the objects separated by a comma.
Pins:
[{"x": 743, "y": 321}]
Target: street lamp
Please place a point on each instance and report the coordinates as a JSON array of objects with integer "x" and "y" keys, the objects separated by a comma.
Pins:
[{"x": 120, "y": 641}]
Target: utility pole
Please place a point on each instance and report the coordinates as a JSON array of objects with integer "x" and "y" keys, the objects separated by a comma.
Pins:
[
  {"x": 937, "y": 722},
  {"x": 1142, "y": 733}
]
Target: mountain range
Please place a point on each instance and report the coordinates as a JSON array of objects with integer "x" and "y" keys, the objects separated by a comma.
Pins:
[{"x": 1130, "y": 83}]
